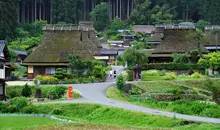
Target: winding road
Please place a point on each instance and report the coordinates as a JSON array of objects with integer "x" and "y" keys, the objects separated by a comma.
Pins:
[{"x": 95, "y": 93}]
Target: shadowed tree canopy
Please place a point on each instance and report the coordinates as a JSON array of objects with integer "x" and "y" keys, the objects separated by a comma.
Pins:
[
  {"x": 8, "y": 19},
  {"x": 100, "y": 16}
]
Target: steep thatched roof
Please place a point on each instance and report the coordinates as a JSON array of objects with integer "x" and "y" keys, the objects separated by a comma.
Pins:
[
  {"x": 211, "y": 38},
  {"x": 89, "y": 44},
  {"x": 94, "y": 39},
  {"x": 56, "y": 45},
  {"x": 175, "y": 41}
]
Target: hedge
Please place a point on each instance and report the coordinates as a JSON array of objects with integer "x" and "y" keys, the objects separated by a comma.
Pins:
[{"x": 172, "y": 66}]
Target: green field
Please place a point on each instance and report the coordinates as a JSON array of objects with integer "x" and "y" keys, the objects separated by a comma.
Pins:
[
  {"x": 19, "y": 123},
  {"x": 92, "y": 116}
]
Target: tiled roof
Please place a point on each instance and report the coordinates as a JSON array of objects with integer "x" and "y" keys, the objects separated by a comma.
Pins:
[
  {"x": 18, "y": 52},
  {"x": 109, "y": 52}
]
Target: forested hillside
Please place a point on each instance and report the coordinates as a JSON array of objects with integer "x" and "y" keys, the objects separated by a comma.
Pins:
[{"x": 21, "y": 36}]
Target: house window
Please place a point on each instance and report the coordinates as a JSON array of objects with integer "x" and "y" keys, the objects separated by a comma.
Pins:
[
  {"x": 50, "y": 70},
  {"x": 1, "y": 89}
]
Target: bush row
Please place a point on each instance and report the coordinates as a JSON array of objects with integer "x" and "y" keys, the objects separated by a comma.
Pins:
[
  {"x": 53, "y": 80},
  {"x": 172, "y": 66},
  {"x": 54, "y": 92}
]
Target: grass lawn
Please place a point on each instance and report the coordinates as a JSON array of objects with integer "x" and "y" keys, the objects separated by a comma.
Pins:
[
  {"x": 155, "y": 86},
  {"x": 19, "y": 123}
]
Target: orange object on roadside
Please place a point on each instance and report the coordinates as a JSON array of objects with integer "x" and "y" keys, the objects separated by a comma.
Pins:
[{"x": 70, "y": 92}]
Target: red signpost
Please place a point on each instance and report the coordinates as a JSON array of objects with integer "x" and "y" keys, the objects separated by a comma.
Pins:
[{"x": 70, "y": 92}]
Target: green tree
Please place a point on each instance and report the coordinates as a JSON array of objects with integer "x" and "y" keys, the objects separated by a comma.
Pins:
[
  {"x": 76, "y": 64},
  {"x": 66, "y": 10},
  {"x": 163, "y": 14},
  {"x": 201, "y": 24},
  {"x": 141, "y": 15},
  {"x": 133, "y": 57},
  {"x": 211, "y": 60},
  {"x": 100, "y": 16},
  {"x": 139, "y": 45}
]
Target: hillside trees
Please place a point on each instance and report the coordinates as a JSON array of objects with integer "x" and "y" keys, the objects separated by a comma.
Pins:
[
  {"x": 100, "y": 16},
  {"x": 8, "y": 19},
  {"x": 144, "y": 14},
  {"x": 66, "y": 10}
]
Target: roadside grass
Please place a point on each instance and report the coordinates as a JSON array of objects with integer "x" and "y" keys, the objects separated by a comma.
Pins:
[
  {"x": 115, "y": 94},
  {"x": 19, "y": 123},
  {"x": 103, "y": 115}
]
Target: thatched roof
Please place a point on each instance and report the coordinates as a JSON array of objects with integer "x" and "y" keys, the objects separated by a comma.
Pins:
[
  {"x": 56, "y": 45},
  {"x": 211, "y": 38},
  {"x": 94, "y": 39},
  {"x": 175, "y": 41},
  {"x": 89, "y": 44}
]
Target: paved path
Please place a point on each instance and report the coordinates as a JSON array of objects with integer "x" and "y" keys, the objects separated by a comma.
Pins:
[
  {"x": 118, "y": 69},
  {"x": 95, "y": 93}
]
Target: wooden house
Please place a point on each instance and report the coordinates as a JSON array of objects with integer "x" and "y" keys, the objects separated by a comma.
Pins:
[
  {"x": 4, "y": 68},
  {"x": 57, "y": 44}
]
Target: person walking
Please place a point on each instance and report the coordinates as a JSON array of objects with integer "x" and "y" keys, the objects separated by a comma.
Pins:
[
  {"x": 115, "y": 73},
  {"x": 110, "y": 73}
]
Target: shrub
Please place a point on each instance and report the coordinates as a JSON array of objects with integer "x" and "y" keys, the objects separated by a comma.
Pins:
[
  {"x": 173, "y": 66},
  {"x": 216, "y": 96},
  {"x": 81, "y": 80},
  {"x": 46, "y": 80},
  {"x": 12, "y": 109},
  {"x": 129, "y": 75},
  {"x": 151, "y": 73},
  {"x": 13, "y": 94},
  {"x": 57, "y": 111},
  {"x": 3, "y": 107},
  {"x": 135, "y": 91},
  {"x": 197, "y": 75},
  {"x": 19, "y": 102},
  {"x": 120, "y": 82},
  {"x": 60, "y": 73},
  {"x": 92, "y": 79},
  {"x": 70, "y": 81},
  {"x": 30, "y": 109},
  {"x": 163, "y": 72},
  {"x": 75, "y": 95},
  {"x": 170, "y": 76},
  {"x": 26, "y": 91},
  {"x": 56, "y": 92},
  {"x": 180, "y": 58},
  {"x": 98, "y": 71}
]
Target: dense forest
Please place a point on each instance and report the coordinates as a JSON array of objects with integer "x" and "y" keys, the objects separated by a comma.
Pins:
[{"x": 146, "y": 11}]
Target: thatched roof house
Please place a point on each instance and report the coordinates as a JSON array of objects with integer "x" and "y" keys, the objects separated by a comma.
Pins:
[
  {"x": 57, "y": 44},
  {"x": 175, "y": 41}
]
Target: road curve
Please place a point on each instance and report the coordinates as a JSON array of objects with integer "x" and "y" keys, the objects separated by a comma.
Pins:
[{"x": 95, "y": 93}]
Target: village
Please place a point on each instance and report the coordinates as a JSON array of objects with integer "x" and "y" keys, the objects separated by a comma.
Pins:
[{"x": 109, "y": 70}]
